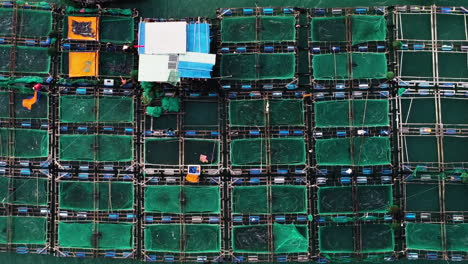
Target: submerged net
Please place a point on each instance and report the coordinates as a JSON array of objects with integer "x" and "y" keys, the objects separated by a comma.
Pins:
[
  {"x": 377, "y": 238},
  {"x": 24, "y": 191},
  {"x": 422, "y": 197},
  {"x": 284, "y": 112},
  {"x": 23, "y": 230},
  {"x": 194, "y": 120},
  {"x": 451, "y": 27},
  {"x": 258, "y": 66},
  {"x": 336, "y": 239},
  {"x": 363, "y": 112},
  {"x": 87, "y": 235},
  {"x": 420, "y": 110},
  {"x": 6, "y": 21},
  {"x": 189, "y": 238},
  {"x": 194, "y": 148},
  {"x": 415, "y": 26},
  {"x": 366, "y": 65},
  {"x": 353, "y": 151},
  {"x": 182, "y": 199},
  {"x": 24, "y": 143},
  {"x": 369, "y": 199},
  {"x": 32, "y": 60},
  {"x": 455, "y": 197},
  {"x": 364, "y": 29},
  {"x": 284, "y": 199},
  {"x": 102, "y": 196},
  {"x": 452, "y": 66},
  {"x": 453, "y": 153},
  {"x": 287, "y": 151},
  {"x": 284, "y": 151},
  {"x": 162, "y": 151},
  {"x": 328, "y": 29},
  {"x": 34, "y": 23},
  {"x": 374, "y": 238},
  {"x": 99, "y": 148},
  {"x": 83, "y": 108},
  {"x": 117, "y": 29},
  {"x": 421, "y": 149},
  {"x": 40, "y": 110},
  {"x": 287, "y": 238},
  {"x": 416, "y": 64},
  {"x": 116, "y": 63},
  {"x": 451, "y": 108},
  {"x": 271, "y": 29}
]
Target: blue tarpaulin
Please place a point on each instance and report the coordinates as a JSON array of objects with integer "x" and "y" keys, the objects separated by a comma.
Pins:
[
  {"x": 198, "y": 37},
  {"x": 194, "y": 69}
]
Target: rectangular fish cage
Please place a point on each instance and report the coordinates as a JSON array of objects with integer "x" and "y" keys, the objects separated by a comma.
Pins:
[
  {"x": 431, "y": 48},
  {"x": 348, "y": 48}
]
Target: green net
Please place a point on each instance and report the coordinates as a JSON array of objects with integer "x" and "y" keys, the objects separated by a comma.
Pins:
[
  {"x": 250, "y": 239},
  {"x": 422, "y": 197},
  {"x": 83, "y": 108},
  {"x": 456, "y": 237},
  {"x": 287, "y": 151},
  {"x": 107, "y": 196},
  {"x": 162, "y": 151},
  {"x": 456, "y": 196},
  {"x": 250, "y": 199},
  {"x": 453, "y": 153},
  {"x": 117, "y": 29},
  {"x": 416, "y": 64},
  {"x": 452, "y": 65},
  {"x": 88, "y": 235},
  {"x": 284, "y": 199},
  {"x": 353, "y": 151},
  {"x": 258, "y": 66},
  {"x": 364, "y": 113},
  {"x": 368, "y": 28},
  {"x": 286, "y": 112},
  {"x": 79, "y": 108},
  {"x": 421, "y": 149},
  {"x": 290, "y": 238},
  {"x": 99, "y": 148},
  {"x": 247, "y": 113},
  {"x": 366, "y": 65},
  {"x": 24, "y": 143},
  {"x": 32, "y": 60},
  {"x": 451, "y": 109},
  {"x": 201, "y": 115},
  {"x": 424, "y": 236},
  {"x": 195, "y": 148},
  {"x": 415, "y": 26},
  {"x": 23, "y": 191},
  {"x": 6, "y": 21},
  {"x": 245, "y": 152},
  {"x": 420, "y": 110},
  {"x": 40, "y": 110},
  {"x": 34, "y": 23},
  {"x": 328, "y": 29},
  {"x": 23, "y": 230},
  {"x": 332, "y": 200},
  {"x": 270, "y": 29},
  {"x": 288, "y": 199},
  {"x": 116, "y": 63},
  {"x": 377, "y": 238},
  {"x": 330, "y": 66},
  {"x": 335, "y": 239},
  {"x": 5, "y": 64},
  {"x": 182, "y": 199},
  {"x": 189, "y": 238},
  {"x": 115, "y": 109},
  {"x": 451, "y": 27}
]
